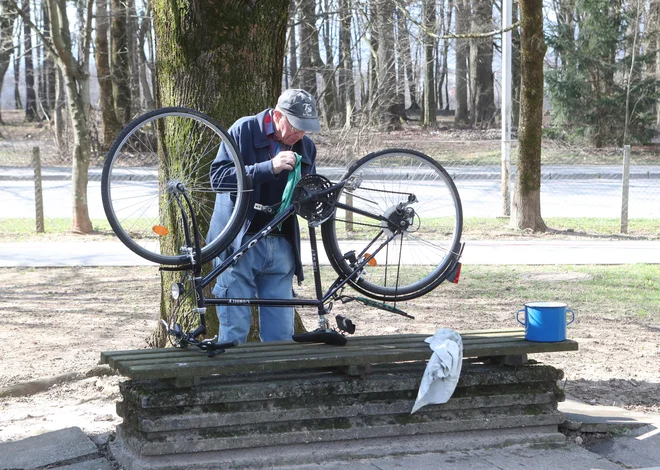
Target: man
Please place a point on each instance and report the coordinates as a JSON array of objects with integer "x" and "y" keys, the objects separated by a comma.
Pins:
[{"x": 268, "y": 143}]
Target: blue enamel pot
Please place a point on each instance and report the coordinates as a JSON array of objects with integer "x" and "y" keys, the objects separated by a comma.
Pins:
[{"x": 545, "y": 321}]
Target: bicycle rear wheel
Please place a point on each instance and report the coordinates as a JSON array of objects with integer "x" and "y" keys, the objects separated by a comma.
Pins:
[
  {"x": 411, "y": 198},
  {"x": 155, "y": 160}
]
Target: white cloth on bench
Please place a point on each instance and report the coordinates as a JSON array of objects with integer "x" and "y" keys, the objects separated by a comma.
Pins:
[{"x": 443, "y": 369}]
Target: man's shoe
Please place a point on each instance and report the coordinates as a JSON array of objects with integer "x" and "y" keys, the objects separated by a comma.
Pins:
[{"x": 331, "y": 337}]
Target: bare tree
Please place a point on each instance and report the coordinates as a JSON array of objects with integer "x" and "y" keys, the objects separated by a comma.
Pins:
[
  {"x": 462, "y": 47},
  {"x": 654, "y": 48},
  {"x": 526, "y": 212},
  {"x": 31, "y": 113},
  {"x": 110, "y": 125},
  {"x": 18, "y": 103},
  {"x": 48, "y": 66},
  {"x": 481, "y": 64},
  {"x": 75, "y": 75},
  {"x": 404, "y": 43},
  {"x": 387, "y": 100},
  {"x": 346, "y": 90},
  {"x": 429, "y": 23},
  {"x": 119, "y": 61},
  {"x": 292, "y": 72},
  {"x": 143, "y": 62},
  {"x": 7, "y": 19},
  {"x": 308, "y": 43}
]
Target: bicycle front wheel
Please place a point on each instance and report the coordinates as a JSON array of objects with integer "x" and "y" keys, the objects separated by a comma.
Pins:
[
  {"x": 159, "y": 159},
  {"x": 405, "y": 196}
]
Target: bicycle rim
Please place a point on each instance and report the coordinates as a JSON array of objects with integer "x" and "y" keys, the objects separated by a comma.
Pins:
[
  {"x": 154, "y": 154},
  {"x": 417, "y": 258}
]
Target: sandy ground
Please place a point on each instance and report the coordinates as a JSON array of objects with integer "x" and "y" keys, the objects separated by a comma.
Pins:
[{"x": 57, "y": 321}]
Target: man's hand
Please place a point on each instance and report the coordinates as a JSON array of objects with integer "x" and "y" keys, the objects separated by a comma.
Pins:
[{"x": 285, "y": 160}]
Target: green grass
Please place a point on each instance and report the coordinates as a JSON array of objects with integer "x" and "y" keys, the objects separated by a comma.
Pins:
[
  {"x": 482, "y": 227},
  {"x": 54, "y": 225},
  {"x": 615, "y": 290},
  {"x": 473, "y": 227},
  {"x": 609, "y": 291}
]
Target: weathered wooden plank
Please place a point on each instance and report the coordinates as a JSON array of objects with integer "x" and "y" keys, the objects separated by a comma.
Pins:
[
  {"x": 469, "y": 334},
  {"x": 249, "y": 354},
  {"x": 158, "y": 355},
  {"x": 340, "y": 357}
]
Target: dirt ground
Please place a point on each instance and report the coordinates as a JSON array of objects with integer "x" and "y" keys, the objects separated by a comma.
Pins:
[{"x": 55, "y": 322}]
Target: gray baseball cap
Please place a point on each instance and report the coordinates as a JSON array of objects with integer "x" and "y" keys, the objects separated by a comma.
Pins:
[{"x": 299, "y": 106}]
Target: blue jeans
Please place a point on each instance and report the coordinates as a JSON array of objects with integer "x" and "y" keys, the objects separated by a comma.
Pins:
[{"x": 266, "y": 272}]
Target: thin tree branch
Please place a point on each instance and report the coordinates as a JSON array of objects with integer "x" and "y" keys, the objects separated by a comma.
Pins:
[
  {"x": 454, "y": 36},
  {"x": 47, "y": 44}
]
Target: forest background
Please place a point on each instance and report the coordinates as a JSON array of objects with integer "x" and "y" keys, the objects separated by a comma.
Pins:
[{"x": 420, "y": 74}]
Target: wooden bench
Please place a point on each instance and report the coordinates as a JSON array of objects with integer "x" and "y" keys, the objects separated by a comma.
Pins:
[
  {"x": 359, "y": 352},
  {"x": 182, "y": 408}
]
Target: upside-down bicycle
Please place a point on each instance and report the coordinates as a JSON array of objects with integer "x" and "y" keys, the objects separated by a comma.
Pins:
[{"x": 391, "y": 224}]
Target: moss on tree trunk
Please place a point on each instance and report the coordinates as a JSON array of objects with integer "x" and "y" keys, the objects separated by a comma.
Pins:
[{"x": 527, "y": 198}]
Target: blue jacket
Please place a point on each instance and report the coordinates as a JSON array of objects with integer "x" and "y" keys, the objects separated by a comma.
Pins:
[{"x": 252, "y": 141}]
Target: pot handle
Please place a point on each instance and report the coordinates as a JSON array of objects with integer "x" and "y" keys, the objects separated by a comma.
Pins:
[
  {"x": 518, "y": 319},
  {"x": 572, "y": 316}
]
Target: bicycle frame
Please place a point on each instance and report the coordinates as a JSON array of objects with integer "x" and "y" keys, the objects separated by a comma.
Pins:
[{"x": 200, "y": 282}]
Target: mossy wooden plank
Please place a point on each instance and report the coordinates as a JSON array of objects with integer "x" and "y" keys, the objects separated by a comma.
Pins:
[
  {"x": 110, "y": 357},
  {"x": 204, "y": 367},
  {"x": 341, "y": 357},
  {"x": 251, "y": 354},
  {"x": 355, "y": 339},
  {"x": 518, "y": 347}
]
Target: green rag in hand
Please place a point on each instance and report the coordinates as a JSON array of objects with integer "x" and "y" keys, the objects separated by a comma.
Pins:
[{"x": 292, "y": 181}]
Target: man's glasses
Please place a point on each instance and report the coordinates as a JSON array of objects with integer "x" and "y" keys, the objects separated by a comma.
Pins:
[{"x": 294, "y": 129}]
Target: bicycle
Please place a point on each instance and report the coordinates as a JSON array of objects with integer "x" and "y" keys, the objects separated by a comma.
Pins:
[{"x": 391, "y": 225}]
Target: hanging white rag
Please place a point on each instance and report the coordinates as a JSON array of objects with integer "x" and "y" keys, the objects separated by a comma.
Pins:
[{"x": 443, "y": 369}]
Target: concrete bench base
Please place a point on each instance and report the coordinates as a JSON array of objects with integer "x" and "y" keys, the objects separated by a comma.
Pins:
[{"x": 261, "y": 419}]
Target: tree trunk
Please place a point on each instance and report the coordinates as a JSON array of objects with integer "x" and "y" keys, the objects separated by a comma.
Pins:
[
  {"x": 18, "y": 104},
  {"x": 445, "y": 55},
  {"x": 110, "y": 125},
  {"x": 481, "y": 63},
  {"x": 30, "y": 96},
  {"x": 346, "y": 86},
  {"x": 133, "y": 57},
  {"x": 224, "y": 59},
  {"x": 143, "y": 35},
  {"x": 404, "y": 41},
  {"x": 119, "y": 59},
  {"x": 388, "y": 115},
  {"x": 293, "y": 47},
  {"x": 428, "y": 19},
  {"x": 7, "y": 20},
  {"x": 654, "y": 47},
  {"x": 371, "y": 97},
  {"x": 307, "y": 71},
  {"x": 59, "y": 116},
  {"x": 462, "y": 47},
  {"x": 49, "y": 67},
  {"x": 526, "y": 212},
  {"x": 515, "y": 69}
]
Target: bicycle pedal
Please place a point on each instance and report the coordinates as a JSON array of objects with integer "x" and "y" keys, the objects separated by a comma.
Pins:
[
  {"x": 328, "y": 336},
  {"x": 345, "y": 324}
]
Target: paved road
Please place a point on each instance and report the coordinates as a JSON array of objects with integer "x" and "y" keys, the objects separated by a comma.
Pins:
[
  {"x": 562, "y": 195},
  {"x": 478, "y": 252}
]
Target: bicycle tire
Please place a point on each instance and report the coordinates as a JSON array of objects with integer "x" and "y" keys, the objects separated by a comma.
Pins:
[
  {"x": 430, "y": 244},
  {"x": 154, "y": 152}
]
